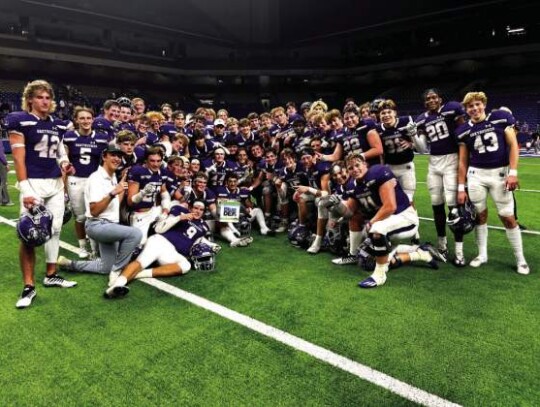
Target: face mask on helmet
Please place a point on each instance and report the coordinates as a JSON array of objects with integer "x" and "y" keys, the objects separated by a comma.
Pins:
[
  {"x": 462, "y": 218},
  {"x": 203, "y": 257},
  {"x": 335, "y": 240},
  {"x": 300, "y": 237},
  {"x": 34, "y": 228},
  {"x": 243, "y": 226},
  {"x": 365, "y": 260}
]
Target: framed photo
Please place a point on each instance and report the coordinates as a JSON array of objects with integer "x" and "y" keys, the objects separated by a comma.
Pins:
[{"x": 228, "y": 210}]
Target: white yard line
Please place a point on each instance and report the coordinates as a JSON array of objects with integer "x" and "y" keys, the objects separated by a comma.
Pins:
[
  {"x": 362, "y": 371},
  {"x": 523, "y": 232}
]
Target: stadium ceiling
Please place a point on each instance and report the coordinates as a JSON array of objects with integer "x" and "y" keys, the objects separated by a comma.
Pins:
[{"x": 264, "y": 37}]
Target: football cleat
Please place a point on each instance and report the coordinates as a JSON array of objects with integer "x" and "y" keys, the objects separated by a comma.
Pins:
[
  {"x": 348, "y": 259},
  {"x": 459, "y": 261},
  {"x": 443, "y": 252},
  {"x": 314, "y": 248},
  {"x": 523, "y": 269},
  {"x": 83, "y": 253},
  {"x": 54, "y": 280},
  {"x": 27, "y": 296},
  {"x": 372, "y": 281},
  {"x": 436, "y": 254},
  {"x": 116, "y": 291},
  {"x": 477, "y": 262}
]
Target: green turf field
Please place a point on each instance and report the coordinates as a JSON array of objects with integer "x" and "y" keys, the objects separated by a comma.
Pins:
[{"x": 470, "y": 336}]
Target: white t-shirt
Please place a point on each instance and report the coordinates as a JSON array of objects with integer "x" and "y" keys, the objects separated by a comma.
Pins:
[{"x": 98, "y": 187}]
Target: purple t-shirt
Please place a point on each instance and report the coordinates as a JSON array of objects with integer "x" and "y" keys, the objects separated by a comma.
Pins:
[
  {"x": 486, "y": 140},
  {"x": 41, "y": 139},
  {"x": 440, "y": 127}
]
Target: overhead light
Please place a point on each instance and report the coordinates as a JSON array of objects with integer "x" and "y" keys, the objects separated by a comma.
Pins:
[{"x": 515, "y": 31}]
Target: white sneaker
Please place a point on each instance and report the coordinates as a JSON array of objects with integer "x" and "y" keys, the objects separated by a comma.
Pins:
[
  {"x": 477, "y": 261},
  {"x": 116, "y": 291},
  {"x": 55, "y": 280},
  {"x": 83, "y": 253},
  {"x": 64, "y": 263},
  {"x": 523, "y": 268}
]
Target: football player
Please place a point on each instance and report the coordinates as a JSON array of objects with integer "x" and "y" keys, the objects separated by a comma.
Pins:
[
  {"x": 84, "y": 147},
  {"x": 390, "y": 216},
  {"x": 40, "y": 160},
  {"x": 170, "y": 247},
  {"x": 105, "y": 123},
  {"x": 488, "y": 162},
  {"x": 148, "y": 197},
  {"x": 437, "y": 125}
]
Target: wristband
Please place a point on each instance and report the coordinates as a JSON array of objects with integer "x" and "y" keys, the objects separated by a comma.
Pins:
[
  {"x": 312, "y": 191},
  {"x": 512, "y": 173},
  {"x": 461, "y": 187},
  {"x": 323, "y": 158}
]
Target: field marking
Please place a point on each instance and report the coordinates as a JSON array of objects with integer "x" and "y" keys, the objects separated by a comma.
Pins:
[
  {"x": 517, "y": 190},
  {"x": 363, "y": 372},
  {"x": 528, "y": 232}
]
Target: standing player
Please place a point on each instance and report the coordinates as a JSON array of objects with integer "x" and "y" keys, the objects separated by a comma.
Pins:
[
  {"x": 488, "y": 161},
  {"x": 105, "y": 123},
  {"x": 438, "y": 125},
  {"x": 84, "y": 147},
  {"x": 36, "y": 141}
]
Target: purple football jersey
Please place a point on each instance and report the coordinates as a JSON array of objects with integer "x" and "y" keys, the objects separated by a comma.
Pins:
[
  {"x": 355, "y": 141},
  {"x": 144, "y": 176},
  {"x": 440, "y": 128},
  {"x": 240, "y": 195},
  {"x": 217, "y": 173},
  {"x": 366, "y": 191},
  {"x": 486, "y": 140},
  {"x": 392, "y": 137},
  {"x": 295, "y": 177},
  {"x": 102, "y": 125},
  {"x": 316, "y": 172},
  {"x": 185, "y": 233},
  {"x": 84, "y": 152},
  {"x": 41, "y": 139}
]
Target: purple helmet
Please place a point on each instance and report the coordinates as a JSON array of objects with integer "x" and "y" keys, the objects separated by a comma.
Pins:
[
  {"x": 300, "y": 236},
  {"x": 34, "y": 227},
  {"x": 203, "y": 257},
  {"x": 462, "y": 218}
]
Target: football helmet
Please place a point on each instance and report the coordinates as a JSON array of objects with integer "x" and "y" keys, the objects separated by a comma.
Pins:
[
  {"x": 365, "y": 260},
  {"x": 243, "y": 226},
  {"x": 34, "y": 227},
  {"x": 335, "y": 240},
  {"x": 203, "y": 257},
  {"x": 300, "y": 236},
  {"x": 462, "y": 218},
  {"x": 124, "y": 102}
]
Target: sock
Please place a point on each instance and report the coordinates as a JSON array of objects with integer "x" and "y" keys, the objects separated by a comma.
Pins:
[
  {"x": 82, "y": 243},
  {"x": 379, "y": 275},
  {"x": 355, "y": 238},
  {"x": 405, "y": 248},
  {"x": 481, "y": 233},
  {"x": 120, "y": 281},
  {"x": 146, "y": 273},
  {"x": 442, "y": 242},
  {"x": 514, "y": 237},
  {"x": 420, "y": 255},
  {"x": 317, "y": 242},
  {"x": 459, "y": 249}
]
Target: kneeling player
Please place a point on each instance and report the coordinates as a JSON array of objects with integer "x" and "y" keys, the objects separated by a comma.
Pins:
[
  {"x": 170, "y": 247},
  {"x": 382, "y": 201}
]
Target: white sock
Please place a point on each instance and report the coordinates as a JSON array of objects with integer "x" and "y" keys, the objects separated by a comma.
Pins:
[
  {"x": 514, "y": 237},
  {"x": 228, "y": 234},
  {"x": 459, "y": 249},
  {"x": 82, "y": 243},
  {"x": 379, "y": 275},
  {"x": 420, "y": 255},
  {"x": 481, "y": 233},
  {"x": 317, "y": 242},
  {"x": 146, "y": 273},
  {"x": 406, "y": 248},
  {"x": 120, "y": 281},
  {"x": 355, "y": 239},
  {"x": 442, "y": 242}
]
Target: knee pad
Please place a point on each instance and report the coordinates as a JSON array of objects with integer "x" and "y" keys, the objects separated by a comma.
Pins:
[{"x": 380, "y": 245}]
